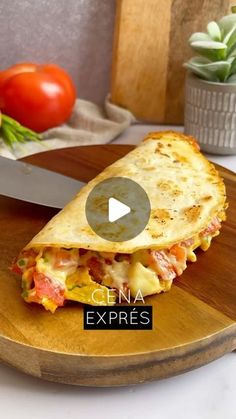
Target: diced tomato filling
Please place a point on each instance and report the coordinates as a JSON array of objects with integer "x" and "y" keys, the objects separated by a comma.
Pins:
[
  {"x": 120, "y": 257},
  {"x": 167, "y": 264},
  {"x": 188, "y": 242},
  {"x": 64, "y": 258},
  {"x": 161, "y": 264},
  {"x": 24, "y": 261},
  {"x": 15, "y": 267},
  {"x": 96, "y": 268},
  {"x": 212, "y": 228},
  {"x": 82, "y": 252},
  {"x": 45, "y": 287},
  {"x": 179, "y": 252},
  {"x": 172, "y": 262}
]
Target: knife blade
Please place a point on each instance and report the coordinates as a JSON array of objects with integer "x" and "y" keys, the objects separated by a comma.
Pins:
[{"x": 33, "y": 184}]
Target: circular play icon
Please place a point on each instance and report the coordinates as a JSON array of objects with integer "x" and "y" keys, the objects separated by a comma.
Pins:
[{"x": 118, "y": 209}]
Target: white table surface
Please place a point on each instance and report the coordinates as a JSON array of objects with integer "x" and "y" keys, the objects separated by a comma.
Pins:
[{"x": 206, "y": 393}]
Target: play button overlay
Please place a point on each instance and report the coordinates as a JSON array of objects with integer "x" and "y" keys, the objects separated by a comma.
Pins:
[{"x": 117, "y": 209}]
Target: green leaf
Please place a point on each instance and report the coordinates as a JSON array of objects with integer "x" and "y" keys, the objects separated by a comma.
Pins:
[
  {"x": 227, "y": 27},
  {"x": 209, "y": 45},
  {"x": 229, "y": 37},
  {"x": 220, "y": 68},
  {"x": 199, "y": 60},
  {"x": 231, "y": 79},
  {"x": 227, "y": 23},
  {"x": 216, "y": 71},
  {"x": 231, "y": 53},
  {"x": 199, "y": 36},
  {"x": 233, "y": 66},
  {"x": 232, "y": 44},
  {"x": 201, "y": 72},
  {"x": 214, "y": 31},
  {"x": 213, "y": 50}
]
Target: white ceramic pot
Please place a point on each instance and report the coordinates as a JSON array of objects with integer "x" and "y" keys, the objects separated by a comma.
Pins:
[{"x": 210, "y": 114}]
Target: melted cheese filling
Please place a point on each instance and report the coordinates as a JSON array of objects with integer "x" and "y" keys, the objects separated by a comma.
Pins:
[
  {"x": 79, "y": 273},
  {"x": 133, "y": 274}
]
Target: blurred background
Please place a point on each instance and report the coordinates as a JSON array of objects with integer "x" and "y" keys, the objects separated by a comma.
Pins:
[
  {"x": 76, "y": 34},
  {"x": 134, "y": 49}
]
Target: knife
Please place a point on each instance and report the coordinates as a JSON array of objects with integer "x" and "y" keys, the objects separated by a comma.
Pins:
[{"x": 34, "y": 184}]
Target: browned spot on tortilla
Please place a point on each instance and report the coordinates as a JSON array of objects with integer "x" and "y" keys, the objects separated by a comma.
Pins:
[
  {"x": 176, "y": 192},
  {"x": 87, "y": 230},
  {"x": 206, "y": 198},
  {"x": 171, "y": 187},
  {"x": 150, "y": 168},
  {"x": 180, "y": 158},
  {"x": 156, "y": 235},
  {"x": 165, "y": 155},
  {"x": 159, "y": 146},
  {"x": 163, "y": 185},
  {"x": 161, "y": 215},
  {"x": 172, "y": 136},
  {"x": 192, "y": 213}
]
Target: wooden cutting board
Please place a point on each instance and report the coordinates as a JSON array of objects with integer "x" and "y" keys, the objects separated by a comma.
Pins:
[
  {"x": 150, "y": 47},
  {"x": 194, "y": 323}
]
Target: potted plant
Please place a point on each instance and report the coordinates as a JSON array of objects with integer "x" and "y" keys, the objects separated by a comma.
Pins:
[{"x": 210, "y": 94}]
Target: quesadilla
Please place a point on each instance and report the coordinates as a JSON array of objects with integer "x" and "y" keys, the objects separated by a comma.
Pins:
[{"x": 67, "y": 260}]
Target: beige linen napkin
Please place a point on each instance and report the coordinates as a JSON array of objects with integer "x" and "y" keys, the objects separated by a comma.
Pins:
[{"x": 89, "y": 124}]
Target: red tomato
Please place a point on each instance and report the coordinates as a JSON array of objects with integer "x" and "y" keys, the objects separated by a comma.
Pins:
[
  {"x": 95, "y": 268},
  {"x": 179, "y": 252},
  {"x": 161, "y": 264},
  {"x": 212, "y": 228},
  {"x": 44, "y": 287},
  {"x": 38, "y": 96}
]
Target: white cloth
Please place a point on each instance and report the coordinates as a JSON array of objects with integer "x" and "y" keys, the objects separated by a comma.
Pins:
[{"x": 89, "y": 124}]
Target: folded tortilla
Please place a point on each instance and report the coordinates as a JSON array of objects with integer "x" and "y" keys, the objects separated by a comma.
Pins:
[{"x": 66, "y": 260}]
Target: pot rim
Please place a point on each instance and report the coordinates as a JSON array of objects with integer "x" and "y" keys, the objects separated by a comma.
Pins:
[{"x": 211, "y": 83}]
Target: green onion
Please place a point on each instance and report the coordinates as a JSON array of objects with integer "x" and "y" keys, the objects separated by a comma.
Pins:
[
  {"x": 14, "y": 133},
  {"x": 21, "y": 262}
]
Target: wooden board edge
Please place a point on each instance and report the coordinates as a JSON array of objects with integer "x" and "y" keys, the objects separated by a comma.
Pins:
[{"x": 115, "y": 371}]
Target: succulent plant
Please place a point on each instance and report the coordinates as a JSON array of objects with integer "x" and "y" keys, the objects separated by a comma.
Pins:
[{"x": 216, "y": 48}]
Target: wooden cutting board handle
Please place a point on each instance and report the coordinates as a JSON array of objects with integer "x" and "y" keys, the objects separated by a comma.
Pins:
[{"x": 150, "y": 46}]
